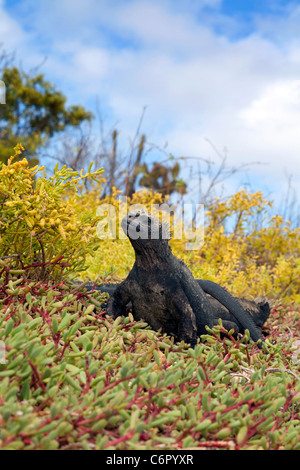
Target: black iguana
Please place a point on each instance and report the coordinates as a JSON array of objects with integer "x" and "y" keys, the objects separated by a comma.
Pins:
[{"x": 163, "y": 291}]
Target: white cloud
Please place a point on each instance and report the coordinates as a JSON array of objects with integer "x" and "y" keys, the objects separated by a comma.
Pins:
[
  {"x": 11, "y": 33},
  {"x": 278, "y": 107},
  {"x": 94, "y": 62}
]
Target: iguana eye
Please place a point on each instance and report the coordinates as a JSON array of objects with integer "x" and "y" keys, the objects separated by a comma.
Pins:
[{"x": 133, "y": 216}]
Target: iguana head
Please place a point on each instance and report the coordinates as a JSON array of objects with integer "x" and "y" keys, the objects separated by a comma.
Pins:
[
  {"x": 146, "y": 232},
  {"x": 140, "y": 224}
]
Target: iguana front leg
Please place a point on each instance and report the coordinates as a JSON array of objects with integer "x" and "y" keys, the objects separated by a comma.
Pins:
[
  {"x": 118, "y": 301},
  {"x": 187, "y": 328}
]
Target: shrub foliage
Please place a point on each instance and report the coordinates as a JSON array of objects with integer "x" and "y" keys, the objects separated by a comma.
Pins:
[
  {"x": 40, "y": 229},
  {"x": 73, "y": 379}
]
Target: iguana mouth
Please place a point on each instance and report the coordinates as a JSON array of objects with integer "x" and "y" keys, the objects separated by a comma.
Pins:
[{"x": 136, "y": 226}]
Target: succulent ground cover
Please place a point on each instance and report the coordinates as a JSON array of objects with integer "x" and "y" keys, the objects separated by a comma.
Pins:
[{"x": 73, "y": 379}]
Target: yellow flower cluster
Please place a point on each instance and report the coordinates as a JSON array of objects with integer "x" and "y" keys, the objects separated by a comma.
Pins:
[
  {"x": 44, "y": 219},
  {"x": 38, "y": 222},
  {"x": 248, "y": 257}
]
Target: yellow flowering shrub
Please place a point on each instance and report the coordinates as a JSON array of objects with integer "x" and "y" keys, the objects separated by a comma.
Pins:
[
  {"x": 50, "y": 225},
  {"x": 249, "y": 259},
  {"x": 40, "y": 231}
]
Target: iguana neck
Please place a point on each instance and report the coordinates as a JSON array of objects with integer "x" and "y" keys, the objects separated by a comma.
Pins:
[{"x": 148, "y": 256}]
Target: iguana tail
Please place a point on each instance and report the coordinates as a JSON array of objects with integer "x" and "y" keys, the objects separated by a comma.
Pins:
[{"x": 226, "y": 299}]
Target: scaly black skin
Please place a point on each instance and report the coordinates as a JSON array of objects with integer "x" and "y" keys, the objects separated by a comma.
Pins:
[
  {"x": 241, "y": 316},
  {"x": 258, "y": 309},
  {"x": 163, "y": 291}
]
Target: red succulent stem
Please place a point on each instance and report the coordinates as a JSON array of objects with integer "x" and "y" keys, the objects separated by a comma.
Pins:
[
  {"x": 37, "y": 376},
  {"x": 127, "y": 436}
]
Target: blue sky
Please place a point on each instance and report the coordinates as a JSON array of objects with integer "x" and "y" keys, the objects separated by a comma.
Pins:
[
  {"x": 247, "y": 8},
  {"x": 224, "y": 71}
]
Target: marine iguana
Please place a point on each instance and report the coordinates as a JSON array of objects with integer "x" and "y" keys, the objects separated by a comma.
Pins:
[
  {"x": 259, "y": 309},
  {"x": 163, "y": 291}
]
